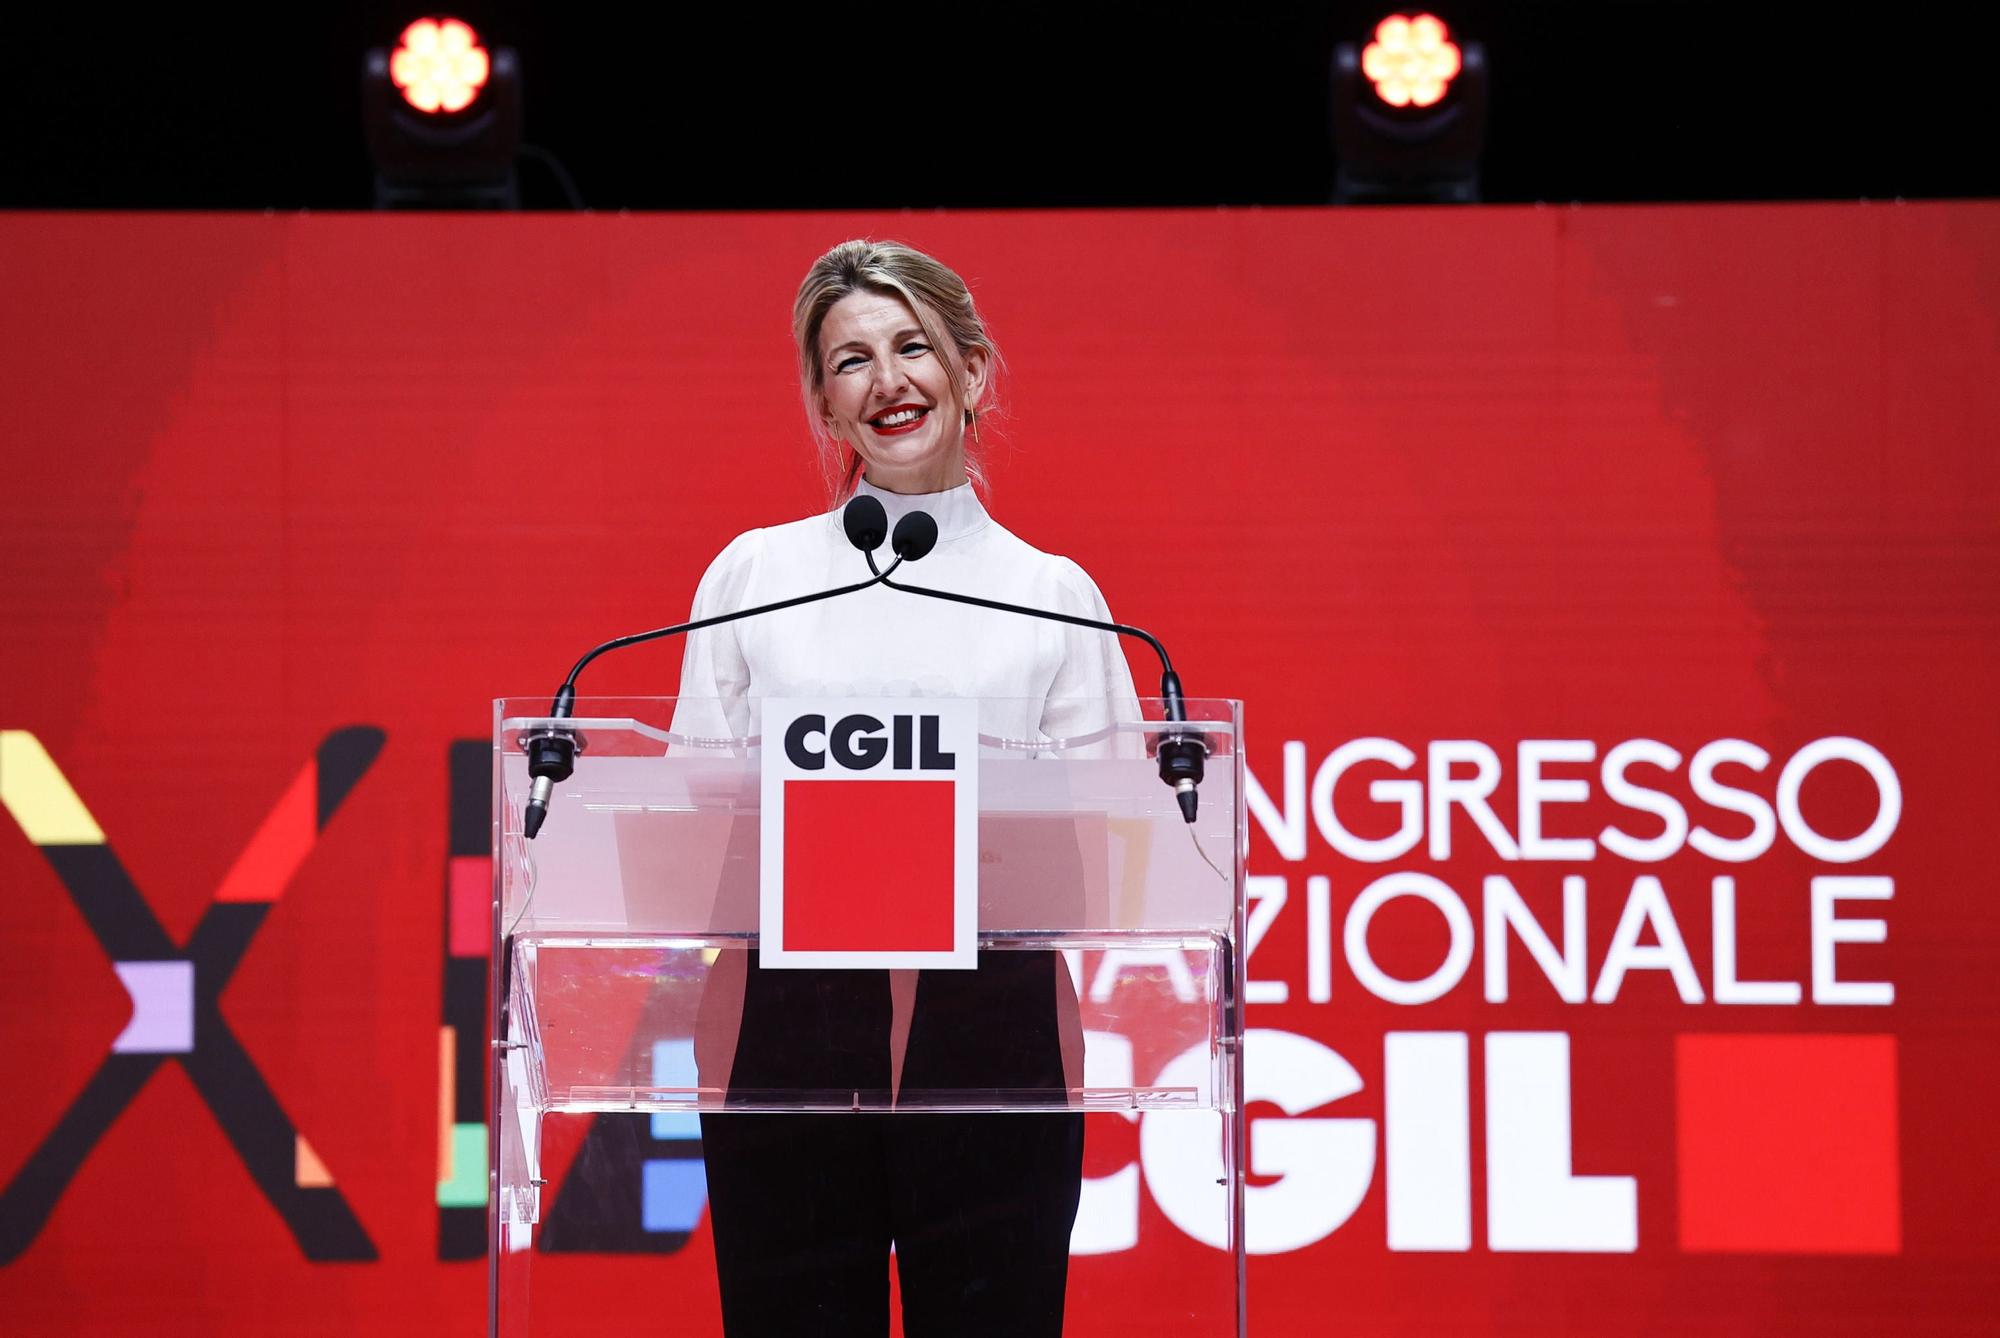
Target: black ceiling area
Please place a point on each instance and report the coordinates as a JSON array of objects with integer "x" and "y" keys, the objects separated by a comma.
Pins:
[{"x": 741, "y": 106}]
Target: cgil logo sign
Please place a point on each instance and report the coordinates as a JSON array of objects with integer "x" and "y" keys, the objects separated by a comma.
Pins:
[
  {"x": 870, "y": 850},
  {"x": 1784, "y": 1144}
]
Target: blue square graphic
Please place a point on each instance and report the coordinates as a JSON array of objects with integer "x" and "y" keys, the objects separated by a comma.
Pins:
[
  {"x": 675, "y": 1192},
  {"x": 673, "y": 1066}
]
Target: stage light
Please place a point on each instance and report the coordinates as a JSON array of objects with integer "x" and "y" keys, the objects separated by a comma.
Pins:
[
  {"x": 1412, "y": 60},
  {"x": 439, "y": 65},
  {"x": 1408, "y": 113},
  {"x": 443, "y": 118}
]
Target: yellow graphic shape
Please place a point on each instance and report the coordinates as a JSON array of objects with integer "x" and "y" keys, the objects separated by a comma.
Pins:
[
  {"x": 35, "y": 792},
  {"x": 308, "y": 1171}
]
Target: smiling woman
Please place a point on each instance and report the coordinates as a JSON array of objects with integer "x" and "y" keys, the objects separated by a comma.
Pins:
[
  {"x": 890, "y": 396},
  {"x": 896, "y": 366}
]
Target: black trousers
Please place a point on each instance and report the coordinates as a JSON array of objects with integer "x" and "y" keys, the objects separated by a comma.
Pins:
[{"x": 979, "y": 1206}]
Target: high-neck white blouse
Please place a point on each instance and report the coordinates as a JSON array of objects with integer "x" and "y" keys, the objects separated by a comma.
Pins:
[{"x": 878, "y": 642}]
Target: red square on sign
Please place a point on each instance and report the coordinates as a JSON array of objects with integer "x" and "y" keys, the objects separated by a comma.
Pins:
[
  {"x": 868, "y": 865},
  {"x": 1788, "y": 1144}
]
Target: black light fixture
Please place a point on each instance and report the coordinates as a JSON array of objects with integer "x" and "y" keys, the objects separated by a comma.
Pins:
[
  {"x": 443, "y": 118},
  {"x": 1409, "y": 115}
]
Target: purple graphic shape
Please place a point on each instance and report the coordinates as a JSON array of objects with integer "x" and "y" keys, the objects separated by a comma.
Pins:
[{"x": 162, "y": 1008}]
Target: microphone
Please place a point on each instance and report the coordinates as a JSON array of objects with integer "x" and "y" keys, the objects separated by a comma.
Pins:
[
  {"x": 866, "y": 523},
  {"x": 916, "y": 535},
  {"x": 552, "y": 749},
  {"x": 1182, "y": 755}
]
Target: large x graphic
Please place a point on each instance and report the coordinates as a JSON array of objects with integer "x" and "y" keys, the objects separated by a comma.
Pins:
[{"x": 176, "y": 992}]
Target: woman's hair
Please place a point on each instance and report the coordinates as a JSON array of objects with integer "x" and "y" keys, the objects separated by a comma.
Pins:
[{"x": 943, "y": 306}]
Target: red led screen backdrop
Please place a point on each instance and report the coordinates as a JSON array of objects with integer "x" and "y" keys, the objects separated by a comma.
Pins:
[{"x": 1616, "y": 595}]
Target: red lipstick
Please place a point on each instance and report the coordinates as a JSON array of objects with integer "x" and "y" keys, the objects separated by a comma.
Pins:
[{"x": 875, "y": 423}]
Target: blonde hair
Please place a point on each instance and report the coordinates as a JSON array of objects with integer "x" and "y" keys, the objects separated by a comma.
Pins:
[{"x": 941, "y": 303}]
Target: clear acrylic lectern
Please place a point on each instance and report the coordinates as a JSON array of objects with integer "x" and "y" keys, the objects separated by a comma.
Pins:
[{"x": 624, "y": 934}]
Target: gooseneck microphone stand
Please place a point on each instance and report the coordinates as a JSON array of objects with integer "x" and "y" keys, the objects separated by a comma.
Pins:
[
  {"x": 552, "y": 748},
  {"x": 1182, "y": 753}
]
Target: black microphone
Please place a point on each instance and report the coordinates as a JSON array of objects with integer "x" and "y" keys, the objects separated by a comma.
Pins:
[
  {"x": 916, "y": 535},
  {"x": 1182, "y": 755},
  {"x": 552, "y": 749},
  {"x": 866, "y": 523}
]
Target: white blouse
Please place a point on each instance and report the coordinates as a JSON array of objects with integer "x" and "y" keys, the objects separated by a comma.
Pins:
[{"x": 1064, "y": 681}]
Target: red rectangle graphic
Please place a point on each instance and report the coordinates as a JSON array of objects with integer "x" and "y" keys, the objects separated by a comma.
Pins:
[{"x": 868, "y": 865}]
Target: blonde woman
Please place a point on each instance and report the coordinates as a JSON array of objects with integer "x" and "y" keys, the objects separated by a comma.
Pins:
[{"x": 897, "y": 368}]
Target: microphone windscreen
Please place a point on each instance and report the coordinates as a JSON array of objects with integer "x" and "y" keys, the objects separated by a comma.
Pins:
[
  {"x": 916, "y": 535},
  {"x": 866, "y": 523}
]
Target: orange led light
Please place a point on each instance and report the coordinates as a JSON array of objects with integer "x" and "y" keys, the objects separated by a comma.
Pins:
[
  {"x": 1412, "y": 60},
  {"x": 439, "y": 65}
]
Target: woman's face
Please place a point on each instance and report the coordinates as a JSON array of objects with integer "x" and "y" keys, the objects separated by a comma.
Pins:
[{"x": 886, "y": 392}]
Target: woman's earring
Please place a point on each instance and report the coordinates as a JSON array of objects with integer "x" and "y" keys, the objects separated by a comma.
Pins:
[{"x": 972, "y": 421}]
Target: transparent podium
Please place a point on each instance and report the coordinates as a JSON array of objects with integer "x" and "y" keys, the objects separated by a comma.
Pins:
[{"x": 673, "y": 1122}]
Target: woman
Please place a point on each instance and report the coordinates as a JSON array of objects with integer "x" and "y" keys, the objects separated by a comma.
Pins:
[{"x": 896, "y": 367}]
